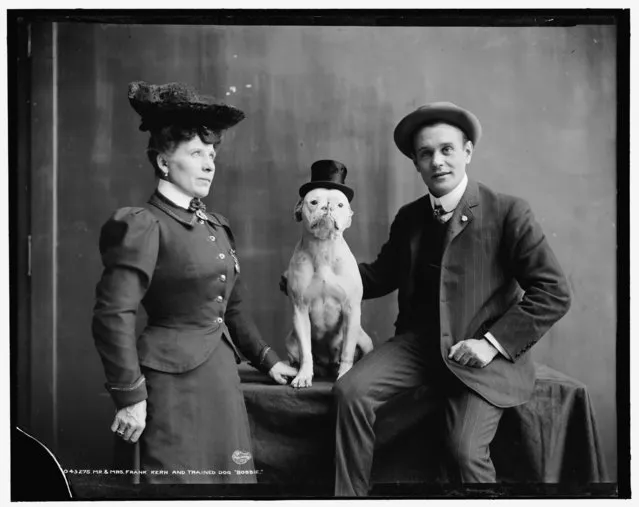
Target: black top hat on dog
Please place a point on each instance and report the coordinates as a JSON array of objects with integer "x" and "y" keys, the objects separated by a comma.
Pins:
[
  {"x": 179, "y": 104},
  {"x": 328, "y": 174}
]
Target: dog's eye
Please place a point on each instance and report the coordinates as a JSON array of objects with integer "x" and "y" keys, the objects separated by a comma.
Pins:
[
  {"x": 341, "y": 204},
  {"x": 314, "y": 202}
]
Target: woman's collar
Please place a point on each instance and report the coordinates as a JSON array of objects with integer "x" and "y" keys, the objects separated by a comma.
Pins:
[
  {"x": 184, "y": 216},
  {"x": 174, "y": 194}
]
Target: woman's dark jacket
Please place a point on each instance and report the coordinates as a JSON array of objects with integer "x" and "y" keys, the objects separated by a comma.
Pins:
[{"x": 185, "y": 273}]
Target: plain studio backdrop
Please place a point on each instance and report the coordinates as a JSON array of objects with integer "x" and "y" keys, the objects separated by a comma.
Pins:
[{"x": 546, "y": 97}]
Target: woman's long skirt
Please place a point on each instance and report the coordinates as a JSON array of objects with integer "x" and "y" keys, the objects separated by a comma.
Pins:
[{"x": 197, "y": 429}]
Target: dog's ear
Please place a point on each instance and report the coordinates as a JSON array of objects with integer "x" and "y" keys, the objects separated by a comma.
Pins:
[
  {"x": 297, "y": 210},
  {"x": 350, "y": 210},
  {"x": 349, "y": 220}
]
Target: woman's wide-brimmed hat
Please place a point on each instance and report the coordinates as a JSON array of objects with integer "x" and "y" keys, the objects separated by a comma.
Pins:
[
  {"x": 328, "y": 174},
  {"x": 179, "y": 104},
  {"x": 445, "y": 112}
]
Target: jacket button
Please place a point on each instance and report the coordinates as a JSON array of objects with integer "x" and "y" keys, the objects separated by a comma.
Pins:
[
  {"x": 221, "y": 256},
  {"x": 219, "y": 299},
  {"x": 212, "y": 238},
  {"x": 219, "y": 320},
  {"x": 222, "y": 278}
]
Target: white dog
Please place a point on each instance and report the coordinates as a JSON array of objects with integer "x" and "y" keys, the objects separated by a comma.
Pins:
[{"x": 325, "y": 287}]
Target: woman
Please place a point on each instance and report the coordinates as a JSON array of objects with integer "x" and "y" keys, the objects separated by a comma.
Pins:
[{"x": 176, "y": 387}]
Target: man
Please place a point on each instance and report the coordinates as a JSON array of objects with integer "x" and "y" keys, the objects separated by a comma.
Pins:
[{"x": 478, "y": 287}]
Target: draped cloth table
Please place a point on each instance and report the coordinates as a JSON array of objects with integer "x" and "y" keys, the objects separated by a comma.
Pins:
[
  {"x": 551, "y": 439},
  {"x": 549, "y": 446}
]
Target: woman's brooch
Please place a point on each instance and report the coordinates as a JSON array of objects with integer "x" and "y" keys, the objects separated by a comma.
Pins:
[
  {"x": 201, "y": 215},
  {"x": 237, "y": 262}
]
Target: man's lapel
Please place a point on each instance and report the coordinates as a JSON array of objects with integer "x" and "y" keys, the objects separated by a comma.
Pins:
[{"x": 463, "y": 214}]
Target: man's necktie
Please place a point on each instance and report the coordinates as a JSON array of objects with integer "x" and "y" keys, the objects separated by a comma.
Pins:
[{"x": 441, "y": 214}]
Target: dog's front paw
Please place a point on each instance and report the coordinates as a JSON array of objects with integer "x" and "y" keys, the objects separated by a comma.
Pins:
[
  {"x": 304, "y": 377},
  {"x": 344, "y": 366}
]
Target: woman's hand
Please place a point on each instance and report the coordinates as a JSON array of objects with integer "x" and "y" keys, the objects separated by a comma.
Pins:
[
  {"x": 280, "y": 371},
  {"x": 129, "y": 422}
]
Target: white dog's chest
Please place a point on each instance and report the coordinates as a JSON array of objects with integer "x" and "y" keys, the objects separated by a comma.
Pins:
[
  {"x": 329, "y": 295},
  {"x": 326, "y": 285},
  {"x": 332, "y": 282}
]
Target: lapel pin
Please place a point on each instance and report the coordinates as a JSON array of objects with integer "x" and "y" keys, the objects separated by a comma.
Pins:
[{"x": 464, "y": 218}]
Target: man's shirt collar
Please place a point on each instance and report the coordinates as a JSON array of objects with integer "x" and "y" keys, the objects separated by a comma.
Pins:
[{"x": 450, "y": 201}]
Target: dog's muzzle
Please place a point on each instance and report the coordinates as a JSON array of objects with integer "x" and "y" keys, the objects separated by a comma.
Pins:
[{"x": 325, "y": 222}]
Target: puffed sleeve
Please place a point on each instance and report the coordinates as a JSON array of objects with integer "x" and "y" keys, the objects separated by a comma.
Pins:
[{"x": 129, "y": 243}]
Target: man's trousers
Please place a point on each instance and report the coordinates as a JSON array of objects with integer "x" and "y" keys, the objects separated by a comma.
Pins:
[{"x": 405, "y": 362}]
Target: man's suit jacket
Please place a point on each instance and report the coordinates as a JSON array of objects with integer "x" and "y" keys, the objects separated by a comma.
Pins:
[{"x": 498, "y": 274}]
